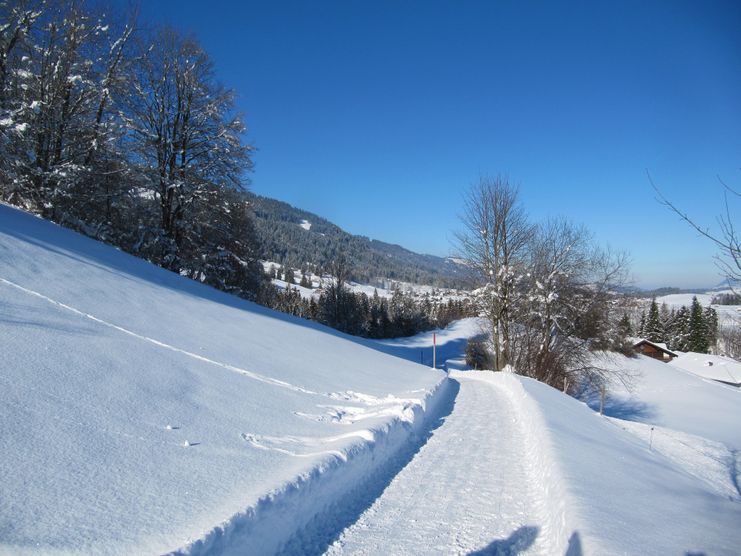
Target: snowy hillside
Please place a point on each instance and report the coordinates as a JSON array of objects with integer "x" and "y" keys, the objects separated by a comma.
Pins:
[
  {"x": 142, "y": 412},
  {"x": 715, "y": 367},
  {"x": 666, "y": 395}
]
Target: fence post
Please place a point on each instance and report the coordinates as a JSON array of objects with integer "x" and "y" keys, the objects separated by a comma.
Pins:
[
  {"x": 434, "y": 351},
  {"x": 602, "y": 400}
]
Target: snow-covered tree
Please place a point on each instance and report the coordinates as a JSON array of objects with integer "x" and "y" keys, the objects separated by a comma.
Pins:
[
  {"x": 698, "y": 332},
  {"x": 678, "y": 333},
  {"x": 653, "y": 330},
  {"x": 569, "y": 279},
  {"x": 624, "y": 327},
  {"x": 185, "y": 136},
  {"x": 642, "y": 325},
  {"x": 140, "y": 149},
  {"x": 710, "y": 319},
  {"x": 18, "y": 22}
]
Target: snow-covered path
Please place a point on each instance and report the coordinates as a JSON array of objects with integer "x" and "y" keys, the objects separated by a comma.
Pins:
[{"x": 467, "y": 490}]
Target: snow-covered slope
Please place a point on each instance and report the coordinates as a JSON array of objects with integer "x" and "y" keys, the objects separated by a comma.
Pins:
[
  {"x": 715, "y": 367},
  {"x": 668, "y": 396},
  {"x": 621, "y": 495},
  {"x": 145, "y": 413}
]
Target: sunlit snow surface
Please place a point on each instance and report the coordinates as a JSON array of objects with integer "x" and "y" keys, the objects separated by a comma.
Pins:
[
  {"x": 141, "y": 410},
  {"x": 143, "y": 413}
]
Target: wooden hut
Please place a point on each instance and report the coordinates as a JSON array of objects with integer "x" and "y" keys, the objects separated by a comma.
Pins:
[{"x": 655, "y": 350}]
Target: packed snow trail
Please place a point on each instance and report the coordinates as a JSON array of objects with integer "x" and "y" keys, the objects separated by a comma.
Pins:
[{"x": 466, "y": 490}]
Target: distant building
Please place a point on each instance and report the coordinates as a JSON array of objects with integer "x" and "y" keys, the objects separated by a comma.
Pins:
[{"x": 655, "y": 350}]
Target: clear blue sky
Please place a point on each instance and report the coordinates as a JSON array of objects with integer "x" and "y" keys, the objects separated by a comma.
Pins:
[{"x": 378, "y": 115}]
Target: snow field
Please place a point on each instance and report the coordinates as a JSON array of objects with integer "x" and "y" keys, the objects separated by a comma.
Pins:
[
  {"x": 143, "y": 413},
  {"x": 728, "y": 315},
  {"x": 712, "y": 462},
  {"x": 668, "y": 396},
  {"x": 715, "y": 367}
]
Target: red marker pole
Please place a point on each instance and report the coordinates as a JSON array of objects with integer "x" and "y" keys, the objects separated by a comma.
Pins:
[{"x": 434, "y": 349}]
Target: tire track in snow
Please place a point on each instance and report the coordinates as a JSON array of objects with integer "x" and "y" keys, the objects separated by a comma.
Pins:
[
  {"x": 468, "y": 489},
  {"x": 240, "y": 370}
]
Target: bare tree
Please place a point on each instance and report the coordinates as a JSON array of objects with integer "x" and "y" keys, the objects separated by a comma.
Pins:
[
  {"x": 494, "y": 240},
  {"x": 566, "y": 311},
  {"x": 729, "y": 338},
  {"x": 548, "y": 289},
  {"x": 727, "y": 238}
]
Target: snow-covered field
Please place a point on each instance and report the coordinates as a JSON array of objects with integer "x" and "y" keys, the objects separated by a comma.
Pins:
[{"x": 144, "y": 413}]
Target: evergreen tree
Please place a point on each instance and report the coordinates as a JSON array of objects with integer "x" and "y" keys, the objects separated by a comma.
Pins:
[
  {"x": 679, "y": 334},
  {"x": 313, "y": 310},
  {"x": 710, "y": 316},
  {"x": 665, "y": 321},
  {"x": 698, "y": 332},
  {"x": 290, "y": 277},
  {"x": 642, "y": 325},
  {"x": 652, "y": 329},
  {"x": 623, "y": 328},
  {"x": 305, "y": 282},
  {"x": 376, "y": 326}
]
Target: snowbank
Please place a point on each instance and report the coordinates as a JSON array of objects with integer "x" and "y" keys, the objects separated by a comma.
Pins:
[
  {"x": 611, "y": 491},
  {"x": 304, "y": 515},
  {"x": 555, "y": 505}
]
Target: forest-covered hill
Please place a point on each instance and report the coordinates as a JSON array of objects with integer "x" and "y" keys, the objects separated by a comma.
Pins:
[{"x": 300, "y": 239}]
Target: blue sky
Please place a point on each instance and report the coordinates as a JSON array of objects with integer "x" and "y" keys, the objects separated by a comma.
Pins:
[{"x": 378, "y": 115}]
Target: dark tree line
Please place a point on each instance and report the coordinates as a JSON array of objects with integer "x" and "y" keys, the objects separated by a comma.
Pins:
[
  {"x": 126, "y": 136},
  {"x": 691, "y": 328},
  {"x": 728, "y": 298},
  {"x": 371, "y": 316}
]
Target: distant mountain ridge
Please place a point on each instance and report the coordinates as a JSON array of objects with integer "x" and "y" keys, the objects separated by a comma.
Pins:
[{"x": 299, "y": 238}]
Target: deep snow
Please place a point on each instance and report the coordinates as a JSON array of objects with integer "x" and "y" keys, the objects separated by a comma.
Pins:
[{"x": 142, "y": 412}]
